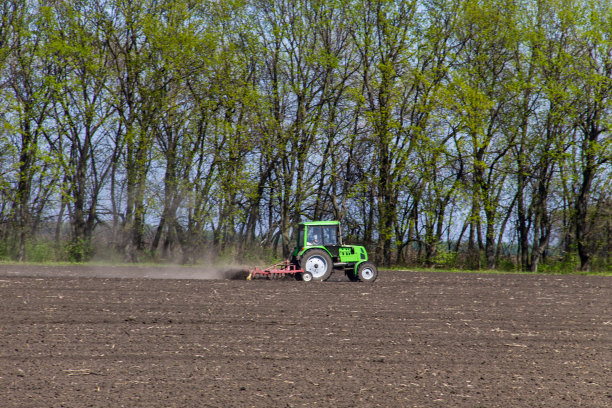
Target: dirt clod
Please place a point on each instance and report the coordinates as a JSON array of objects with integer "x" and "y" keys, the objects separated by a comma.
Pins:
[{"x": 235, "y": 273}]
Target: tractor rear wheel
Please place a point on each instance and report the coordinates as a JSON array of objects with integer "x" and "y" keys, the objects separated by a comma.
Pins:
[
  {"x": 318, "y": 263},
  {"x": 367, "y": 272}
]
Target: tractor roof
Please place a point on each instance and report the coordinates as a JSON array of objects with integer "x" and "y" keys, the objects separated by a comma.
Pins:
[{"x": 310, "y": 223}]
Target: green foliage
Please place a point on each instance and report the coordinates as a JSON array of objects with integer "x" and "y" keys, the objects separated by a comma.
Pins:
[
  {"x": 42, "y": 251},
  {"x": 569, "y": 264},
  {"x": 79, "y": 250},
  {"x": 506, "y": 265},
  {"x": 444, "y": 258},
  {"x": 216, "y": 126},
  {"x": 5, "y": 253}
]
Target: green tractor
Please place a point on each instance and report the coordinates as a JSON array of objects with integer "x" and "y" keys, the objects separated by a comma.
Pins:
[{"x": 319, "y": 251}]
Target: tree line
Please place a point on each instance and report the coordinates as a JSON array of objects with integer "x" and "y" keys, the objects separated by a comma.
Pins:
[{"x": 454, "y": 132}]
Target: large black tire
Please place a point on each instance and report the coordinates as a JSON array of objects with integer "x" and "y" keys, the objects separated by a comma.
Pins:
[
  {"x": 351, "y": 275},
  {"x": 318, "y": 263},
  {"x": 367, "y": 272}
]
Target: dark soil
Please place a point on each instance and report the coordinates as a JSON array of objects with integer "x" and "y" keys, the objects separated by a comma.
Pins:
[{"x": 409, "y": 339}]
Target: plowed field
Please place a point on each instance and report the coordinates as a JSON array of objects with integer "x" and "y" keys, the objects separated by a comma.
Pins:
[{"x": 81, "y": 337}]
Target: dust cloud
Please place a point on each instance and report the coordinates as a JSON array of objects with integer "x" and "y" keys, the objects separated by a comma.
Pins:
[{"x": 231, "y": 272}]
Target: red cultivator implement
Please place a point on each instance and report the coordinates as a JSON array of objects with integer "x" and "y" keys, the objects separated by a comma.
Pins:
[{"x": 276, "y": 271}]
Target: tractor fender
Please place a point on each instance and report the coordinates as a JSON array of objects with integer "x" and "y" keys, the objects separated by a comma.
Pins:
[
  {"x": 357, "y": 266},
  {"x": 304, "y": 250},
  {"x": 353, "y": 271}
]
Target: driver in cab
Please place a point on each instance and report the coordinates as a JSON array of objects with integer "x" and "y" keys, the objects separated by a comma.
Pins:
[{"x": 314, "y": 239}]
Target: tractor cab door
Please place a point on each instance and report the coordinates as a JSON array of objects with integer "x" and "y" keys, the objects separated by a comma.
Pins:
[
  {"x": 331, "y": 240},
  {"x": 330, "y": 235},
  {"x": 315, "y": 236}
]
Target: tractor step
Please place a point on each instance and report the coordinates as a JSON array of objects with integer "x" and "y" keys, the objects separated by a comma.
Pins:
[{"x": 275, "y": 271}]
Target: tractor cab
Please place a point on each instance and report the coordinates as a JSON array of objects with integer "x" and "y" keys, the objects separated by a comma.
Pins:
[
  {"x": 325, "y": 234},
  {"x": 319, "y": 235}
]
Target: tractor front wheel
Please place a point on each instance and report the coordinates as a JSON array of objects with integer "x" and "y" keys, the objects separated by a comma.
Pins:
[
  {"x": 318, "y": 263},
  {"x": 367, "y": 272}
]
